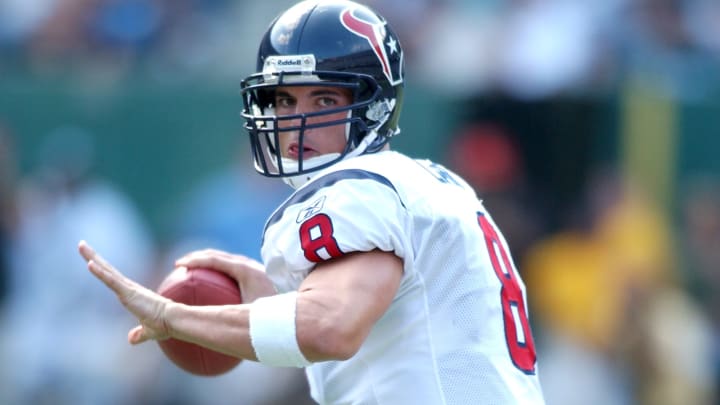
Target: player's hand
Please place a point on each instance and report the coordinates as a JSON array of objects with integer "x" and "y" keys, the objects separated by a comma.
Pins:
[
  {"x": 249, "y": 273},
  {"x": 148, "y": 306}
]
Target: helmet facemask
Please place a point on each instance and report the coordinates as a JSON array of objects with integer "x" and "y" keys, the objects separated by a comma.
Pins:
[{"x": 363, "y": 119}]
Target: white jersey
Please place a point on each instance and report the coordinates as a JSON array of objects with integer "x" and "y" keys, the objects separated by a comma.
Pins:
[{"x": 457, "y": 330}]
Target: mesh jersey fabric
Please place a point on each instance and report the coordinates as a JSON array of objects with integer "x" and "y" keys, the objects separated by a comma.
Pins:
[{"x": 442, "y": 340}]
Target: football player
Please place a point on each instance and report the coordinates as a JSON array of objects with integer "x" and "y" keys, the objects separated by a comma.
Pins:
[{"x": 383, "y": 276}]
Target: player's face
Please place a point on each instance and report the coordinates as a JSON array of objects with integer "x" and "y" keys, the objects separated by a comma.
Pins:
[{"x": 309, "y": 99}]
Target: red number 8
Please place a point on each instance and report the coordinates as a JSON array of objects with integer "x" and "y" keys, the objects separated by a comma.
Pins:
[
  {"x": 517, "y": 327},
  {"x": 317, "y": 233}
]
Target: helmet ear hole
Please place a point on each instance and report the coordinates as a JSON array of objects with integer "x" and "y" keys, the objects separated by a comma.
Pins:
[
  {"x": 266, "y": 99},
  {"x": 364, "y": 91}
]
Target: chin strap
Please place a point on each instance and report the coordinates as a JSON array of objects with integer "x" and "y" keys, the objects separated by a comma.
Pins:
[{"x": 291, "y": 165}]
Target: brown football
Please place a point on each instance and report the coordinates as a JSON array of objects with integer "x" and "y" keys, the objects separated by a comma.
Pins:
[{"x": 199, "y": 287}]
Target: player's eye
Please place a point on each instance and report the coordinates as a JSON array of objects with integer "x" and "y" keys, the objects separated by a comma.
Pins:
[
  {"x": 327, "y": 102},
  {"x": 284, "y": 102}
]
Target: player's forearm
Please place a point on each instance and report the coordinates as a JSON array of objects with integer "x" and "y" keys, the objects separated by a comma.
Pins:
[{"x": 221, "y": 328}]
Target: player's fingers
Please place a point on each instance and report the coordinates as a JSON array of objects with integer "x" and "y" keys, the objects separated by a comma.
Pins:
[
  {"x": 105, "y": 264},
  {"x": 107, "y": 277},
  {"x": 202, "y": 261},
  {"x": 89, "y": 254},
  {"x": 138, "y": 335},
  {"x": 86, "y": 251},
  {"x": 142, "y": 333},
  {"x": 114, "y": 279},
  {"x": 225, "y": 263},
  {"x": 206, "y": 253}
]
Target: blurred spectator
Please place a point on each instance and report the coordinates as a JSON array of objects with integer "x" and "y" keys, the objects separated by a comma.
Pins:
[
  {"x": 127, "y": 24},
  {"x": 457, "y": 49},
  {"x": 405, "y": 16},
  {"x": 605, "y": 291},
  {"x": 110, "y": 39},
  {"x": 7, "y": 204},
  {"x": 529, "y": 49},
  {"x": 700, "y": 230},
  {"x": 59, "y": 345},
  {"x": 700, "y": 236},
  {"x": 86, "y": 33},
  {"x": 227, "y": 210},
  {"x": 656, "y": 46},
  {"x": 499, "y": 179},
  {"x": 549, "y": 47},
  {"x": 20, "y": 19},
  {"x": 702, "y": 19}
]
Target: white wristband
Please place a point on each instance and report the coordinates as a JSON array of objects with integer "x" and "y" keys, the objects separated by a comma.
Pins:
[{"x": 272, "y": 331}]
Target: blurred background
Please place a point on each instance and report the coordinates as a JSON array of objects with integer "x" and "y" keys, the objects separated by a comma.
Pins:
[{"x": 591, "y": 129}]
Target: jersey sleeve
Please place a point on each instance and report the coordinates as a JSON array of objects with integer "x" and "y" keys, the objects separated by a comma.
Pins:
[{"x": 321, "y": 222}]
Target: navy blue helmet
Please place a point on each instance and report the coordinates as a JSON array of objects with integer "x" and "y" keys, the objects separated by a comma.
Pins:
[{"x": 334, "y": 43}]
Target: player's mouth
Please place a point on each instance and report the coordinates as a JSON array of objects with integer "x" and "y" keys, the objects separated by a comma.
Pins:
[{"x": 294, "y": 151}]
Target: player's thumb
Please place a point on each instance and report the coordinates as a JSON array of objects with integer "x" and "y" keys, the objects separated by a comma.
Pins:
[{"x": 138, "y": 335}]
